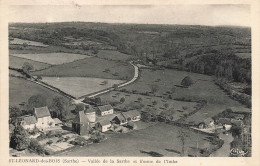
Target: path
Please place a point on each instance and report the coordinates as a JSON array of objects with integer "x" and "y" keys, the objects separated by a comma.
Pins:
[{"x": 224, "y": 151}]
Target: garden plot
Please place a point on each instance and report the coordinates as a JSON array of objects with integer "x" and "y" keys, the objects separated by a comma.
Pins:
[
  {"x": 80, "y": 86},
  {"x": 52, "y": 58}
]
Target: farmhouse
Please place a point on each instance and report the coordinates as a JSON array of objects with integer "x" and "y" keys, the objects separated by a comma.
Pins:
[
  {"x": 103, "y": 125},
  {"x": 43, "y": 118},
  {"x": 80, "y": 124},
  {"x": 225, "y": 122},
  {"x": 132, "y": 115},
  {"x": 119, "y": 119},
  {"x": 207, "y": 123},
  {"x": 28, "y": 122},
  {"x": 128, "y": 116},
  {"x": 105, "y": 110},
  {"x": 57, "y": 122}
]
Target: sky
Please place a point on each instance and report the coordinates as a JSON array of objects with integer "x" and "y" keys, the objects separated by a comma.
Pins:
[{"x": 212, "y": 15}]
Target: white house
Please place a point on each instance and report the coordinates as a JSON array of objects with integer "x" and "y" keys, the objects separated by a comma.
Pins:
[
  {"x": 103, "y": 125},
  {"x": 43, "y": 118},
  {"x": 105, "y": 110},
  {"x": 28, "y": 122}
]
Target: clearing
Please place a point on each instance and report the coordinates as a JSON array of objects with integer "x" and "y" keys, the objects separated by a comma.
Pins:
[
  {"x": 16, "y": 62},
  {"x": 53, "y": 58},
  {"x": 90, "y": 67},
  {"x": 80, "y": 86}
]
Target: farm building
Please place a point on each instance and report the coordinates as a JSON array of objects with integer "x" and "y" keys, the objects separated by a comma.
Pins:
[
  {"x": 207, "y": 123},
  {"x": 28, "y": 122},
  {"x": 225, "y": 122},
  {"x": 43, "y": 118},
  {"x": 132, "y": 115},
  {"x": 119, "y": 119},
  {"x": 57, "y": 122},
  {"x": 128, "y": 116},
  {"x": 80, "y": 124},
  {"x": 103, "y": 125},
  {"x": 105, "y": 110}
]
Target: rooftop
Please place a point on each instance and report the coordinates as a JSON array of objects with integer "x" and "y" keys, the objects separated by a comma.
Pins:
[
  {"x": 42, "y": 112},
  {"x": 105, "y": 107}
]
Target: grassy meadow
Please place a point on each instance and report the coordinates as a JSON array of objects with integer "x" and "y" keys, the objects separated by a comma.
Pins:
[
  {"x": 21, "y": 90},
  {"x": 90, "y": 67},
  {"x": 52, "y": 58},
  {"x": 80, "y": 86},
  {"x": 16, "y": 62}
]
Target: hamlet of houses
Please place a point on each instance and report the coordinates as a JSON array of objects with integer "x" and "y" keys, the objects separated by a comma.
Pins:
[{"x": 101, "y": 119}]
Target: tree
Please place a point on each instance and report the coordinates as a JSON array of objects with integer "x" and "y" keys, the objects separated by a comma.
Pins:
[
  {"x": 36, "y": 147},
  {"x": 60, "y": 107},
  {"x": 183, "y": 136},
  {"x": 27, "y": 67},
  {"x": 36, "y": 101},
  {"x": 187, "y": 81},
  {"x": 39, "y": 77},
  {"x": 140, "y": 99},
  {"x": 154, "y": 88},
  {"x": 25, "y": 45},
  {"x": 19, "y": 139},
  {"x": 122, "y": 100},
  {"x": 14, "y": 112},
  {"x": 79, "y": 107}
]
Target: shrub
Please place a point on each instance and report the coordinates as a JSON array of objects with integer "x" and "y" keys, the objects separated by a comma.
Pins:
[
  {"x": 122, "y": 100},
  {"x": 19, "y": 139},
  {"x": 34, "y": 146},
  {"x": 49, "y": 142}
]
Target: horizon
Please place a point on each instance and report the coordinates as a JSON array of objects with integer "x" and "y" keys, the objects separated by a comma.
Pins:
[{"x": 202, "y": 15}]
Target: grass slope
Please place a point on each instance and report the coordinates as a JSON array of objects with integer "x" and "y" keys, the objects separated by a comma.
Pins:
[
  {"x": 90, "y": 67},
  {"x": 21, "y": 90},
  {"x": 16, "y": 62}
]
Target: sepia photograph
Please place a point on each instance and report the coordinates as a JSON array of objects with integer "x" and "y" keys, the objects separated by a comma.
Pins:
[{"x": 130, "y": 80}]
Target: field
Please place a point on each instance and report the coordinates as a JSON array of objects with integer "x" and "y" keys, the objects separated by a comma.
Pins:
[
  {"x": 28, "y": 42},
  {"x": 203, "y": 89},
  {"x": 80, "y": 86},
  {"x": 16, "y": 62},
  {"x": 21, "y": 90},
  {"x": 90, "y": 67},
  {"x": 160, "y": 138},
  {"x": 114, "y": 55},
  {"x": 131, "y": 102},
  {"x": 244, "y": 55},
  {"x": 53, "y": 58}
]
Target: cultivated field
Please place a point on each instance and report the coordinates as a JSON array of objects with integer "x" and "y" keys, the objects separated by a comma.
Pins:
[
  {"x": 160, "y": 138},
  {"x": 28, "y": 42},
  {"x": 21, "y": 90},
  {"x": 16, "y": 62},
  {"x": 114, "y": 55},
  {"x": 80, "y": 86},
  {"x": 90, "y": 67},
  {"x": 53, "y": 58}
]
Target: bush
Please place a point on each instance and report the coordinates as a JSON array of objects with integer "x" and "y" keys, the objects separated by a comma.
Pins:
[
  {"x": 49, "y": 142},
  {"x": 34, "y": 146},
  {"x": 19, "y": 139}
]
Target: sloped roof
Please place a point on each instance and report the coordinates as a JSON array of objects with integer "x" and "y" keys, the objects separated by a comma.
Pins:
[
  {"x": 104, "y": 122},
  {"x": 42, "y": 112},
  {"x": 29, "y": 120},
  {"x": 131, "y": 114},
  {"x": 57, "y": 121},
  {"x": 208, "y": 120},
  {"x": 120, "y": 117},
  {"x": 224, "y": 121},
  {"x": 105, "y": 107}
]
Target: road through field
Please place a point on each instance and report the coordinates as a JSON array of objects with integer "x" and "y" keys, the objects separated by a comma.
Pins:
[{"x": 136, "y": 74}]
